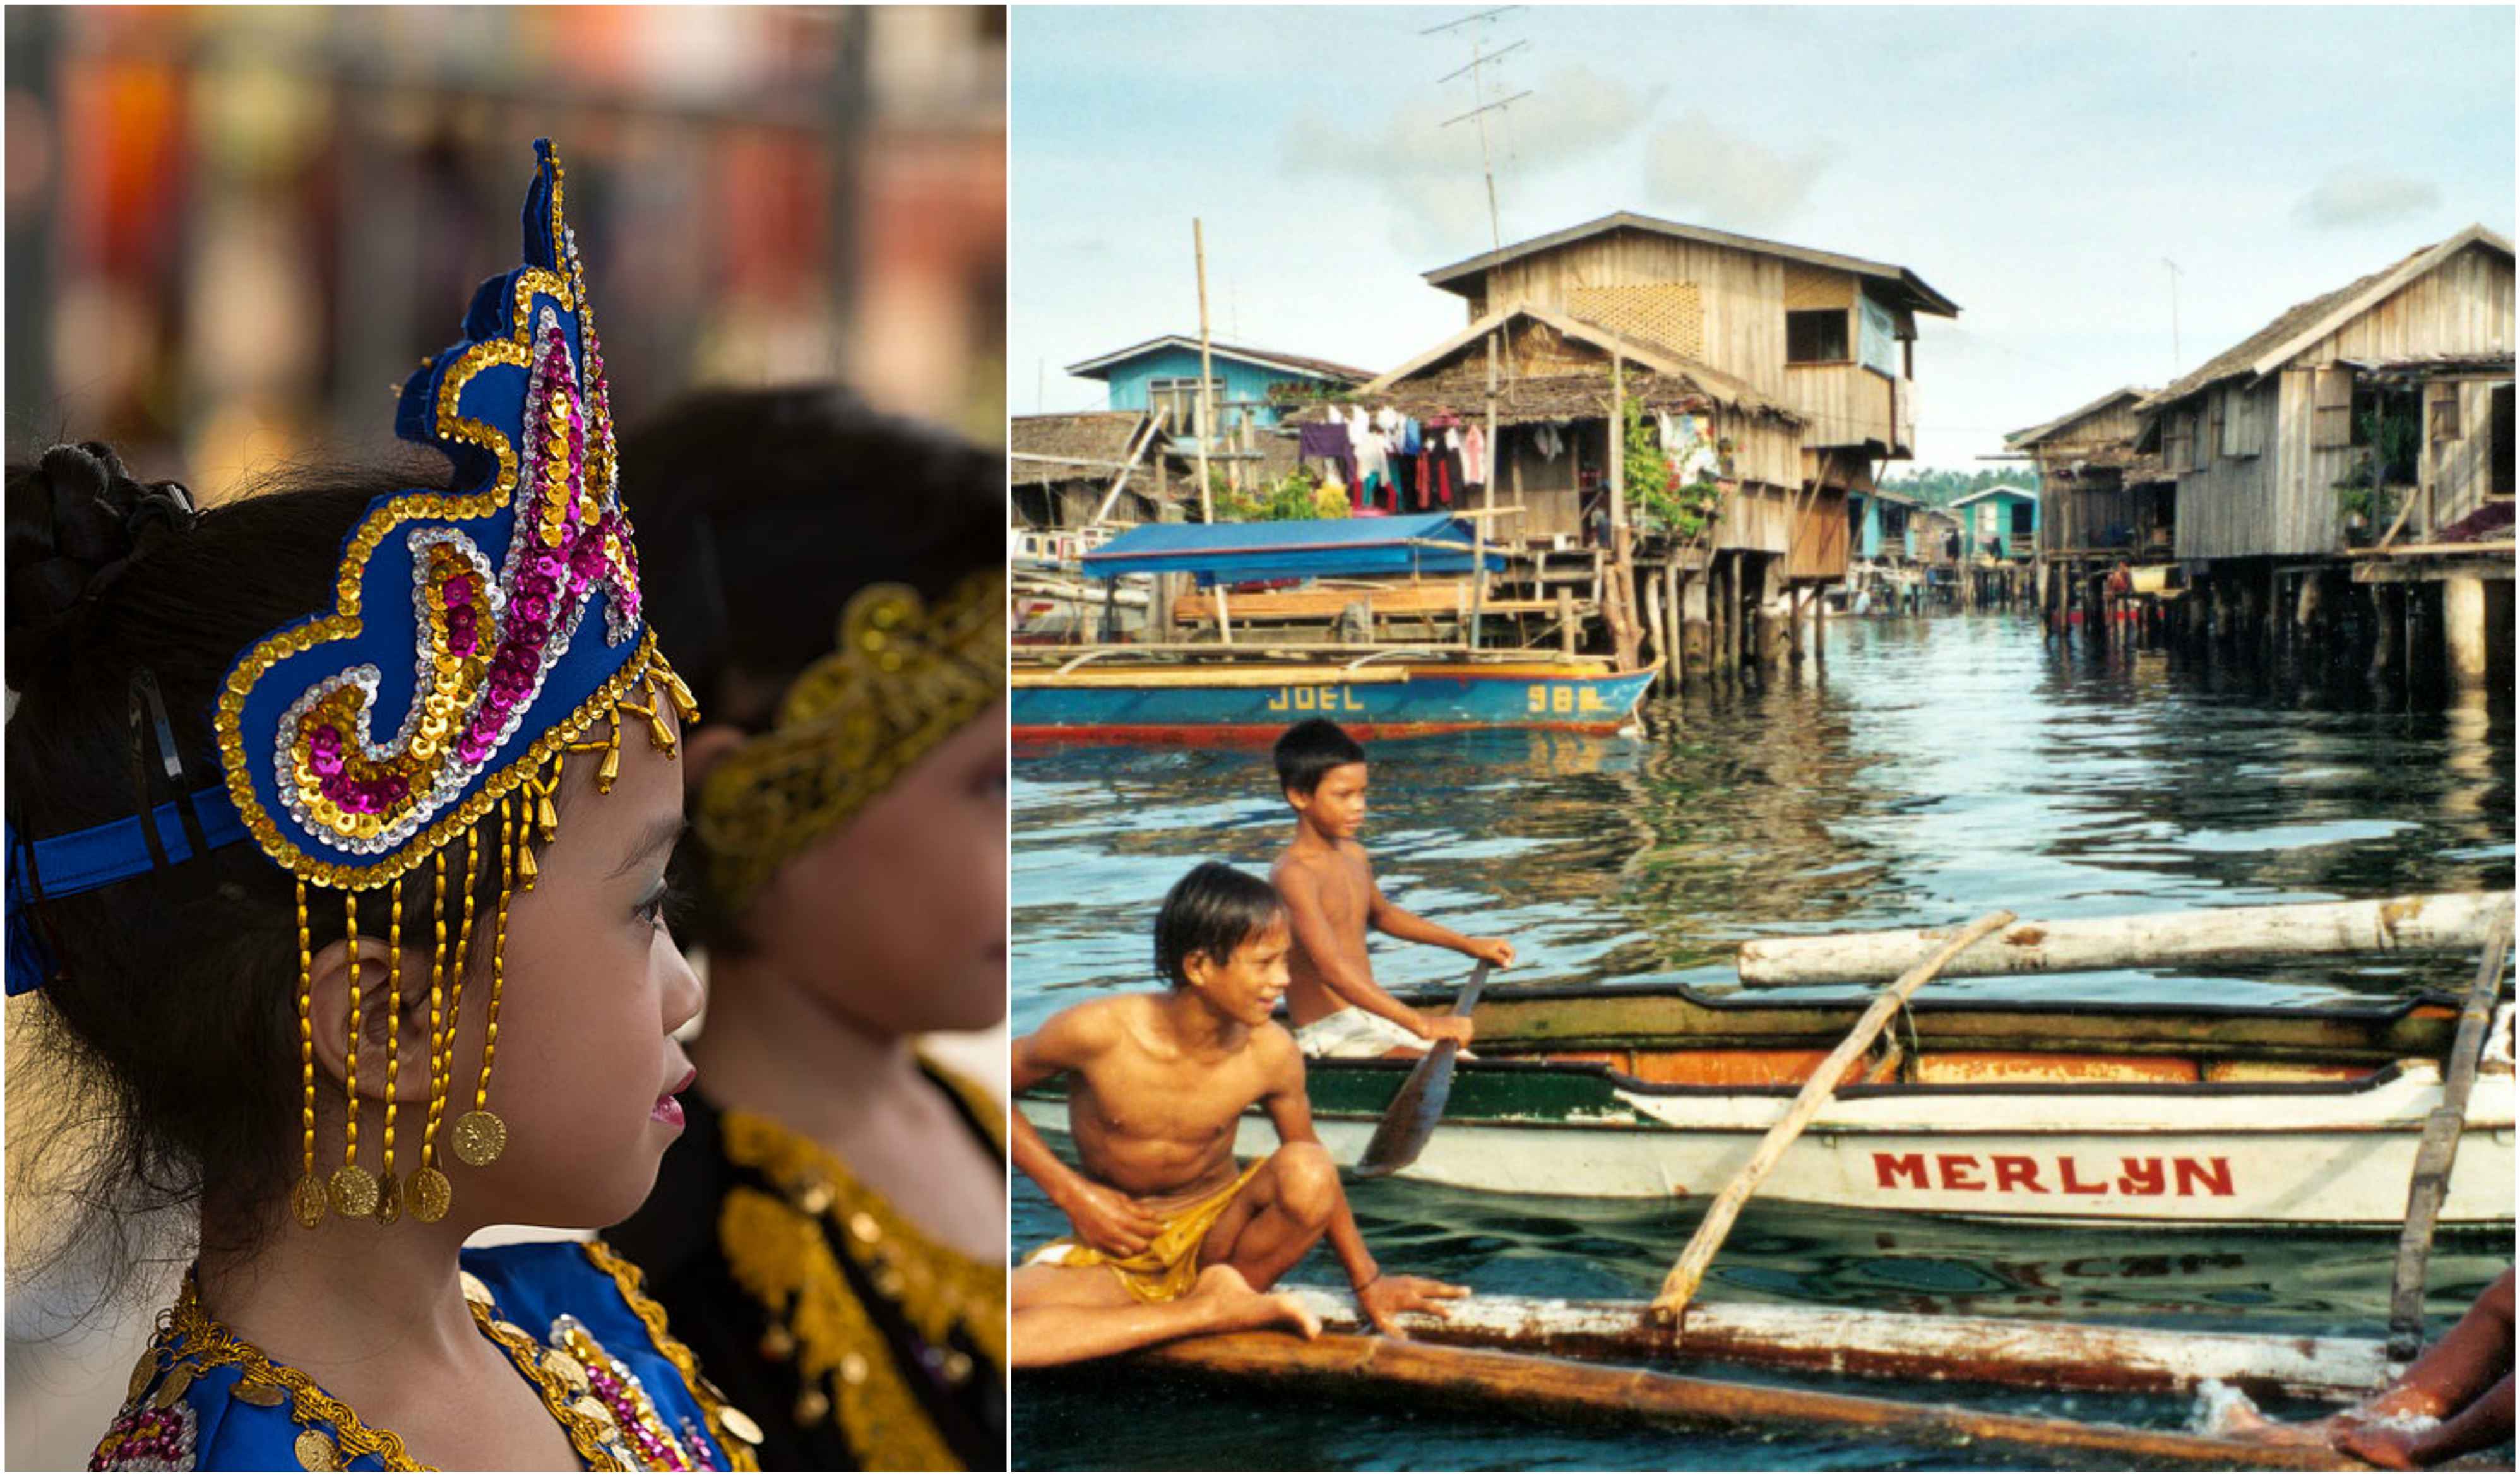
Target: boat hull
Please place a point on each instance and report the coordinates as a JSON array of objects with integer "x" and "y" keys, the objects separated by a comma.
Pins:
[
  {"x": 2299, "y": 1154},
  {"x": 1251, "y": 704}
]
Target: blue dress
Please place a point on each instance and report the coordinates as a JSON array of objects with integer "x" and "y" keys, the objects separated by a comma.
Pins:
[{"x": 570, "y": 1315}]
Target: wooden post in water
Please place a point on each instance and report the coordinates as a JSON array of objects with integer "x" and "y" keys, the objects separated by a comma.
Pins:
[
  {"x": 1675, "y": 629},
  {"x": 1680, "y": 1285},
  {"x": 1206, "y": 415},
  {"x": 1566, "y": 632},
  {"x": 1487, "y": 506},
  {"x": 1619, "y": 589}
]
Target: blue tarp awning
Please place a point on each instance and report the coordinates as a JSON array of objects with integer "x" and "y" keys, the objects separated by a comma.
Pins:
[{"x": 1424, "y": 543}]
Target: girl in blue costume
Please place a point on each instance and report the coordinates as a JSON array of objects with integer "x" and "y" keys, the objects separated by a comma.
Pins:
[{"x": 326, "y": 806}]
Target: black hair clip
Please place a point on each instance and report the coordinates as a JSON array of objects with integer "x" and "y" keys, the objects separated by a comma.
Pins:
[{"x": 145, "y": 694}]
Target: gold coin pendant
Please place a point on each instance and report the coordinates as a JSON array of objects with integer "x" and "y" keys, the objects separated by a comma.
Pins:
[
  {"x": 354, "y": 1192},
  {"x": 738, "y": 1425},
  {"x": 480, "y": 1138},
  {"x": 430, "y": 1194},
  {"x": 306, "y": 1201},
  {"x": 315, "y": 1453}
]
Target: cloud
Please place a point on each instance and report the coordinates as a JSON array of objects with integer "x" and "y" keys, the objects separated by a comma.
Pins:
[
  {"x": 2365, "y": 198},
  {"x": 1722, "y": 179},
  {"x": 1428, "y": 173}
]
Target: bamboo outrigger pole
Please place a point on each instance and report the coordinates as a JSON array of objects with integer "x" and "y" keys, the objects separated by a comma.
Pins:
[
  {"x": 2443, "y": 1127},
  {"x": 2417, "y": 922},
  {"x": 1556, "y": 1389},
  {"x": 1680, "y": 1285}
]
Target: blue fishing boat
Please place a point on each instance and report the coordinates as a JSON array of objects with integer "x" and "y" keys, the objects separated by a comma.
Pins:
[{"x": 1166, "y": 691}]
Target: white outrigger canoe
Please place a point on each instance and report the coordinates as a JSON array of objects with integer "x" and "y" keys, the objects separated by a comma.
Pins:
[{"x": 2014, "y": 1110}]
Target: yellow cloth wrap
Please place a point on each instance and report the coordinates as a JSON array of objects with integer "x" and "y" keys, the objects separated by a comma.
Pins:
[{"x": 1169, "y": 1266}]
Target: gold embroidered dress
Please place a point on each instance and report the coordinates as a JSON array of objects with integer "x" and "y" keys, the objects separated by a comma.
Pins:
[
  {"x": 570, "y": 1316},
  {"x": 859, "y": 1340}
]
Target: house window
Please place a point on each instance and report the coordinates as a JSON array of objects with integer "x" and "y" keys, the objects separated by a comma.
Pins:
[
  {"x": 2214, "y": 412},
  {"x": 2502, "y": 483},
  {"x": 1816, "y": 336},
  {"x": 2445, "y": 412},
  {"x": 1175, "y": 403},
  {"x": 1879, "y": 345}
]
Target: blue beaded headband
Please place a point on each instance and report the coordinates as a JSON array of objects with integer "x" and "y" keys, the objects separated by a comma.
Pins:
[{"x": 472, "y": 638}]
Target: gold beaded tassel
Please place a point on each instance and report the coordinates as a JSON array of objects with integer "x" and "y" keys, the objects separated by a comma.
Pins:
[
  {"x": 306, "y": 1201},
  {"x": 354, "y": 1190},
  {"x": 388, "y": 1188},
  {"x": 431, "y": 1195},
  {"x": 479, "y": 1134}
]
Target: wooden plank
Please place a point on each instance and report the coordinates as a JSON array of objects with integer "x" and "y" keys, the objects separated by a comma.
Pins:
[
  {"x": 2034, "y": 1354},
  {"x": 2385, "y": 572},
  {"x": 1523, "y": 1386},
  {"x": 2454, "y": 921}
]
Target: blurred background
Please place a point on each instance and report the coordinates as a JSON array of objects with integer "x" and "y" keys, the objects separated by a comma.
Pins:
[{"x": 233, "y": 232}]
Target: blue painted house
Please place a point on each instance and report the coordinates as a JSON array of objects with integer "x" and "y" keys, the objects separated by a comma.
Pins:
[
  {"x": 1999, "y": 522},
  {"x": 1881, "y": 525},
  {"x": 1163, "y": 374}
]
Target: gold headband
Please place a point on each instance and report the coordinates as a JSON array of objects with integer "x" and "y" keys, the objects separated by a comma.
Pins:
[{"x": 902, "y": 680}]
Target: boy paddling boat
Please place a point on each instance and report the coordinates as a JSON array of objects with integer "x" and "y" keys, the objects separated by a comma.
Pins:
[
  {"x": 1172, "y": 1238},
  {"x": 1327, "y": 882}
]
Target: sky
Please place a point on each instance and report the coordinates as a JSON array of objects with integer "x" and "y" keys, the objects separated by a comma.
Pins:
[{"x": 2036, "y": 165}]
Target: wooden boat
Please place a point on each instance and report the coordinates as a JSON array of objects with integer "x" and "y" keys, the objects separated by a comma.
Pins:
[
  {"x": 1134, "y": 696},
  {"x": 2006, "y": 1110},
  {"x": 1194, "y": 692},
  {"x": 2010, "y": 1110}
]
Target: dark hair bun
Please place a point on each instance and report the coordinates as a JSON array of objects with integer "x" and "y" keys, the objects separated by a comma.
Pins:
[{"x": 77, "y": 519}]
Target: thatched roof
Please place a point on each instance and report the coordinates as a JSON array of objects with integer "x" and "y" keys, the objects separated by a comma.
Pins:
[
  {"x": 1452, "y": 377},
  {"x": 1901, "y": 285},
  {"x": 1533, "y": 400},
  {"x": 1101, "y": 437},
  {"x": 2305, "y": 323}
]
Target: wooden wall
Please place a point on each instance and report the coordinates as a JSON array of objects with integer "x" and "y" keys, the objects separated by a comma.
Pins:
[
  {"x": 2078, "y": 512},
  {"x": 1818, "y": 546},
  {"x": 2283, "y": 500},
  {"x": 2457, "y": 473},
  {"x": 1742, "y": 298},
  {"x": 2463, "y": 306},
  {"x": 1741, "y": 293}
]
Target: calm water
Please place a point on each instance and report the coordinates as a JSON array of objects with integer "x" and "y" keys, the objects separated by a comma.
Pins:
[{"x": 1932, "y": 770}]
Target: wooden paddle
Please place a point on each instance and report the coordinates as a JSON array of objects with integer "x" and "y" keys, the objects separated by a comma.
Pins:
[
  {"x": 1406, "y": 1126},
  {"x": 1680, "y": 1285}
]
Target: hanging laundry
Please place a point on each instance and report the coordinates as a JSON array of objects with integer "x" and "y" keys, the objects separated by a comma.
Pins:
[
  {"x": 1387, "y": 420},
  {"x": 1410, "y": 437},
  {"x": 1373, "y": 453},
  {"x": 1329, "y": 442},
  {"x": 1474, "y": 457},
  {"x": 1548, "y": 440}
]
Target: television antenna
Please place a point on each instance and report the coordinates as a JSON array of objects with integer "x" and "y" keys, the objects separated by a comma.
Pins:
[{"x": 1480, "y": 60}]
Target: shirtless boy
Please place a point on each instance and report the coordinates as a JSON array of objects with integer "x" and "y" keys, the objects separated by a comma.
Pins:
[
  {"x": 1328, "y": 885},
  {"x": 1172, "y": 1238}
]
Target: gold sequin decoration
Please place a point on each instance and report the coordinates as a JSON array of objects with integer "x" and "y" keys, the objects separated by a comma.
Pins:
[{"x": 902, "y": 679}]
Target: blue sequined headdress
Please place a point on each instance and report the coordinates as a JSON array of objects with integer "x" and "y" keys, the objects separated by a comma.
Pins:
[{"x": 474, "y": 639}]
